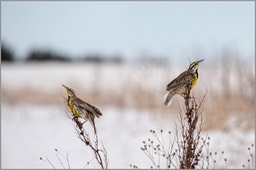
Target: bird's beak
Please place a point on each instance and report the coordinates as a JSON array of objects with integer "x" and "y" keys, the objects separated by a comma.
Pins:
[
  {"x": 65, "y": 86},
  {"x": 199, "y": 61}
]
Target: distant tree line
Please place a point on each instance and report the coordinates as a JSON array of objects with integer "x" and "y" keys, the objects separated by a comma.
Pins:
[
  {"x": 40, "y": 55},
  {"x": 7, "y": 55}
]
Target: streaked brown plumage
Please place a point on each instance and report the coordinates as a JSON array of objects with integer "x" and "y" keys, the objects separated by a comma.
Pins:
[
  {"x": 183, "y": 83},
  {"x": 81, "y": 109}
]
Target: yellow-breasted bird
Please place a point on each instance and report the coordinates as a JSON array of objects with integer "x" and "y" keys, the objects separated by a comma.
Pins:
[
  {"x": 80, "y": 108},
  {"x": 183, "y": 83}
]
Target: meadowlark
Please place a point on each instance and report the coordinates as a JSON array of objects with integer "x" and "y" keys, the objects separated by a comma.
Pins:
[
  {"x": 183, "y": 83},
  {"x": 81, "y": 109}
]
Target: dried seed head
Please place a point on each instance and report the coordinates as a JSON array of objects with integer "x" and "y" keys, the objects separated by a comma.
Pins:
[
  {"x": 55, "y": 149},
  {"x": 41, "y": 158},
  {"x": 225, "y": 159},
  {"x": 161, "y": 130}
]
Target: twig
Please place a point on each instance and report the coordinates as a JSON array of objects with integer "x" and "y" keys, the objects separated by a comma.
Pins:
[
  {"x": 84, "y": 137},
  {"x": 60, "y": 161},
  {"x": 47, "y": 160}
]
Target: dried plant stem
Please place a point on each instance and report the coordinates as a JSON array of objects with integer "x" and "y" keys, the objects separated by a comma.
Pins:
[
  {"x": 100, "y": 154},
  {"x": 190, "y": 148}
]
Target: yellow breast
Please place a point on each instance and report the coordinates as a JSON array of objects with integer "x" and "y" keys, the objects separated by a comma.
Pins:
[
  {"x": 72, "y": 108},
  {"x": 194, "y": 82}
]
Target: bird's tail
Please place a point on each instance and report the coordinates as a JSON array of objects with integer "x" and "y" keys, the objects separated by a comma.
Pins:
[
  {"x": 93, "y": 125},
  {"x": 168, "y": 97}
]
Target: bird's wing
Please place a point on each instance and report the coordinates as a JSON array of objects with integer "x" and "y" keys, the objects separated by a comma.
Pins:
[
  {"x": 182, "y": 78},
  {"x": 90, "y": 108}
]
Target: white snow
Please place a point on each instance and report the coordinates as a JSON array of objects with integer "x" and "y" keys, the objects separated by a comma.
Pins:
[
  {"x": 30, "y": 132},
  {"x": 49, "y": 76}
]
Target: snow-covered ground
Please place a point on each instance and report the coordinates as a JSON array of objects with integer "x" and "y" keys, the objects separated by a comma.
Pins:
[
  {"x": 30, "y": 131},
  {"x": 50, "y": 76}
]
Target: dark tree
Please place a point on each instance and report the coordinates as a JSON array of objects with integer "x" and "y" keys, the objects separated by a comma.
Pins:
[
  {"x": 46, "y": 56},
  {"x": 6, "y": 53}
]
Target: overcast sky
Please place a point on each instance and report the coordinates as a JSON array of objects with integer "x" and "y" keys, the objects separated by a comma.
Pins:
[{"x": 131, "y": 29}]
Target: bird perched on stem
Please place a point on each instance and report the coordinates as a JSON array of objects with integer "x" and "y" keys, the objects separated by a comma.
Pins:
[
  {"x": 183, "y": 83},
  {"x": 81, "y": 109}
]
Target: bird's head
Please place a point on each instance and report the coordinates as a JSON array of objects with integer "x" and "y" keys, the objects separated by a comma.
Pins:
[
  {"x": 195, "y": 65},
  {"x": 70, "y": 92}
]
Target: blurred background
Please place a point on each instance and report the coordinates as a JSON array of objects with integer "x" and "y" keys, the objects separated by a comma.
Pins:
[{"x": 119, "y": 56}]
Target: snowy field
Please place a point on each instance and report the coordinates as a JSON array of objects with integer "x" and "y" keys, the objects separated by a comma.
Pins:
[
  {"x": 31, "y": 132},
  {"x": 50, "y": 76},
  {"x": 33, "y": 128}
]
